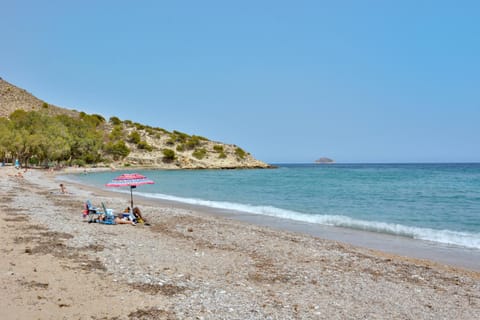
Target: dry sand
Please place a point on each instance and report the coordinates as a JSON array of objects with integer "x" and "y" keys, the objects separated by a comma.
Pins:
[{"x": 189, "y": 265}]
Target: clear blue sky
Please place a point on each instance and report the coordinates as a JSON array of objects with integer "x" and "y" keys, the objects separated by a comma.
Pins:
[{"x": 288, "y": 81}]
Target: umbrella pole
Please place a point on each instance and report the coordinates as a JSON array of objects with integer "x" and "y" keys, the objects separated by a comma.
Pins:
[{"x": 131, "y": 197}]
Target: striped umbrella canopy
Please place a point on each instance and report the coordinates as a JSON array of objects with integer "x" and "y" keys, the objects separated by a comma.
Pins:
[{"x": 131, "y": 180}]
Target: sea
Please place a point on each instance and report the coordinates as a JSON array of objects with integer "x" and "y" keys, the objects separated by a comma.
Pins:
[{"x": 438, "y": 203}]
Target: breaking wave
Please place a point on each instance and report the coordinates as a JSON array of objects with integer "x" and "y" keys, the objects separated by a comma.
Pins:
[{"x": 464, "y": 239}]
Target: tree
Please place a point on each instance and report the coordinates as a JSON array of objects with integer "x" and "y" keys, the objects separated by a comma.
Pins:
[
  {"x": 6, "y": 137},
  {"x": 36, "y": 133},
  {"x": 86, "y": 140},
  {"x": 50, "y": 140},
  {"x": 118, "y": 150},
  {"x": 22, "y": 141}
]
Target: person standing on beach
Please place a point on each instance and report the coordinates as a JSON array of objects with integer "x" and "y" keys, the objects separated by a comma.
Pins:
[{"x": 63, "y": 189}]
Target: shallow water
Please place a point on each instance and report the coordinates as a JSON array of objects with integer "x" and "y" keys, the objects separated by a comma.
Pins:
[{"x": 434, "y": 202}]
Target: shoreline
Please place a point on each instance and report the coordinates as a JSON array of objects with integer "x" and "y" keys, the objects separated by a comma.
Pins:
[
  {"x": 451, "y": 255},
  {"x": 188, "y": 265}
]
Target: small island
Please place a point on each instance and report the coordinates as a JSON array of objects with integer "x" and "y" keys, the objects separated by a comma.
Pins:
[{"x": 324, "y": 160}]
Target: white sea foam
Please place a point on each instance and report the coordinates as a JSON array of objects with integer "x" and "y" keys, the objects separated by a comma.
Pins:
[{"x": 464, "y": 239}]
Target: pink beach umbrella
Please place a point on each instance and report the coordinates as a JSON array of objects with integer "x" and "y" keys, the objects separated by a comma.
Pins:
[{"x": 131, "y": 180}]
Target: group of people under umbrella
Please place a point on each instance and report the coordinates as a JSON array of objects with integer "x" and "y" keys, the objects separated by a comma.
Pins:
[{"x": 131, "y": 180}]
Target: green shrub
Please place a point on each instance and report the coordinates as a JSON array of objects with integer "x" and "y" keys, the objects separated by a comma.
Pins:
[
  {"x": 240, "y": 153},
  {"x": 92, "y": 120},
  {"x": 99, "y": 118},
  {"x": 178, "y": 136},
  {"x": 118, "y": 150},
  {"x": 116, "y": 133},
  {"x": 192, "y": 143},
  {"x": 179, "y": 133},
  {"x": 222, "y": 155},
  {"x": 139, "y": 126},
  {"x": 134, "y": 137},
  {"x": 162, "y": 130},
  {"x": 79, "y": 162},
  {"x": 45, "y": 105},
  {"x": 128, "y": 122},
  {"x": 199, "y": 153},
  {"x": 218, "y": 148},
  {"x": 180, "y": 148},
  {"x": 115, "y": 121},
  {"x": 144, "y": 146},
  {"x": 127, "y": 165},
  {"x": 168, "y": 154},
  {"x": 91, "y": 157},
  {"x": 200, "y": 138}
]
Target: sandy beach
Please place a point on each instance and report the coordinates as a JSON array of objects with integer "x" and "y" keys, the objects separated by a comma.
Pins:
[{"x": 192, "y": 265}]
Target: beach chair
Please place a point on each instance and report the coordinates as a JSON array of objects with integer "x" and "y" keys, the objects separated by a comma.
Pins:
[
  {"x": 109, "y": 216},
  {"x": 90, "y": 211}
]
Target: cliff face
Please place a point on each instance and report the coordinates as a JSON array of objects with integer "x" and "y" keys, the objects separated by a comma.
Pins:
[{"x": 199, "y": 154}]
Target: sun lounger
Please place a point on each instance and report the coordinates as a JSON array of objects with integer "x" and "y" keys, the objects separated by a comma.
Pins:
[{"x": 109, "y": 217}]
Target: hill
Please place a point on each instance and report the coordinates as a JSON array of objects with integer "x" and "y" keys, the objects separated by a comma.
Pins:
[
  {"x": 13, "y": 98},
  {"x": 147, "y": 146}
]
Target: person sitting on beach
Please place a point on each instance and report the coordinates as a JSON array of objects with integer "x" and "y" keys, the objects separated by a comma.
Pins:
[
  {"x": 62, "y": 188},
  {"x": 118, "y": 220},
  {"x": 138, "y": 215},
  {"x": 124, "y": 220},
  {"x": 128, "y": 215}
]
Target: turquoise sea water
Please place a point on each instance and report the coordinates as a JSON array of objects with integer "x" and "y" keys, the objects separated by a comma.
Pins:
[{"x": 435, "y": 202}]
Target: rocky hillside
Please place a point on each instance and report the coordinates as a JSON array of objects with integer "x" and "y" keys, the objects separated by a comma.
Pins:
[
  {"x": 190, "y": 151},
  {"x": 149, "y": 147},
  {"x": 13, "y": 98}
]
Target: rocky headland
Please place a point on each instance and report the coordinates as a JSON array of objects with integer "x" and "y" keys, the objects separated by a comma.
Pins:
[{"x": 153, "y": 147}]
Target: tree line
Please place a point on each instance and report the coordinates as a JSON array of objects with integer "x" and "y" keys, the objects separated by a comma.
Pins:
[{"x": 34, "y": 137}]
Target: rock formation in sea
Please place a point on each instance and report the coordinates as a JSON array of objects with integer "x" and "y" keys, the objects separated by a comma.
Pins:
[{"x": 324, "y": 160}]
